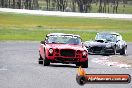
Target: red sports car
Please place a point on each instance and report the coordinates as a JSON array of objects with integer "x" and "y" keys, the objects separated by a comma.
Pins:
[{"x": 63, "y": 48}]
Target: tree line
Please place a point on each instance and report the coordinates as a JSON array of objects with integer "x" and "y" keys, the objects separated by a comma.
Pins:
[{"x": 84, "y": 6}]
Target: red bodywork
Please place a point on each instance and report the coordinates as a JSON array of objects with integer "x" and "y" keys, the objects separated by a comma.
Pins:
[{"x": 64, "y": 53}]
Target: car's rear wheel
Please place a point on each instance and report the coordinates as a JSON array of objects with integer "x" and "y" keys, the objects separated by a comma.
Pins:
[{"x": 123, "y": 51}]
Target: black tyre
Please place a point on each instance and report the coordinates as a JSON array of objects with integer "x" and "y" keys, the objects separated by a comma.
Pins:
[
  {"x": 85, "y": 64},
  {"x": 114, "y": 51},
  {"x": 123, "y": 51},
  {"x": 78, "y": 64},
  {"x": 46, "y": 62},
  {"x": 40, "y": 60}
]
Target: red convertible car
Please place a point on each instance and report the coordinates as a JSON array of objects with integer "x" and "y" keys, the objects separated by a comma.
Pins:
[{"x": 63, "y": 48}]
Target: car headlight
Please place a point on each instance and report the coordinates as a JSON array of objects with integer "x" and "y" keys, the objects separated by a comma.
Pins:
[
  {"x": 108, "y": 45},
  {"x": 84, "y": 53},
  {"x": 50, "y": 50}
]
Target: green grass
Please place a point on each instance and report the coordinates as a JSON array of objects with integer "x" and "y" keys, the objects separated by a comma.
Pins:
[
  {"x": 36, "y": 35},
  {"x": 30, "y": 27}
]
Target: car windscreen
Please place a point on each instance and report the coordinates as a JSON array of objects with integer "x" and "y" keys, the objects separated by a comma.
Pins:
[
  {"x": 64, "y": 39},
  {"x": 106, "y": 36}
]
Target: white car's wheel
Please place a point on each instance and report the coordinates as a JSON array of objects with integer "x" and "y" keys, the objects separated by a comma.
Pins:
[{"x": 123, "y": 51}]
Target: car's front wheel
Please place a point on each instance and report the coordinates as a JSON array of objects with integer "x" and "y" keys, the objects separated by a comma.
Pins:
[
  {"x": 46, "y": 62},
  {"x": 83, "y": 64},
  {"x": 114, "y": 51},
  {"x": 123, "y": 51},
  {"x": 40, "y": 60}
]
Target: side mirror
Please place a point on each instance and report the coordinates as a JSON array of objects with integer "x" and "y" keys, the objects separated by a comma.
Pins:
[
  {"x": 83, "y": 44},
  {"x": 42, "y": 42}
]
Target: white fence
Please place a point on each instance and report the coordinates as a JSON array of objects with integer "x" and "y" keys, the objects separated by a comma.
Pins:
[{"x": 68, "y": 14}]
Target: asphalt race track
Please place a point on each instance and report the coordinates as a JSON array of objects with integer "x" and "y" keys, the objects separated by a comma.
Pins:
[{"x": 19, "y": 69}]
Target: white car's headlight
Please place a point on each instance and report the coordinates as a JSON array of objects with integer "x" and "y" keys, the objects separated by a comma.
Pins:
[
  {"x": 50, "y": 50},
  {"x": 108, "y": 45},
  {"x": 84, "y": 53}
]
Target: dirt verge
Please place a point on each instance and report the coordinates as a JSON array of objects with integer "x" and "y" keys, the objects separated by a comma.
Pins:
[{"x": 122, "y": 60}]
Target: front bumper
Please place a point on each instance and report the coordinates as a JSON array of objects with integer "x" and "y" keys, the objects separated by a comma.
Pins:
[
  {"x": 66, "y": 59},
  {"x": 100, "y": 50},
  {"x": 67, "y": 56}
]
